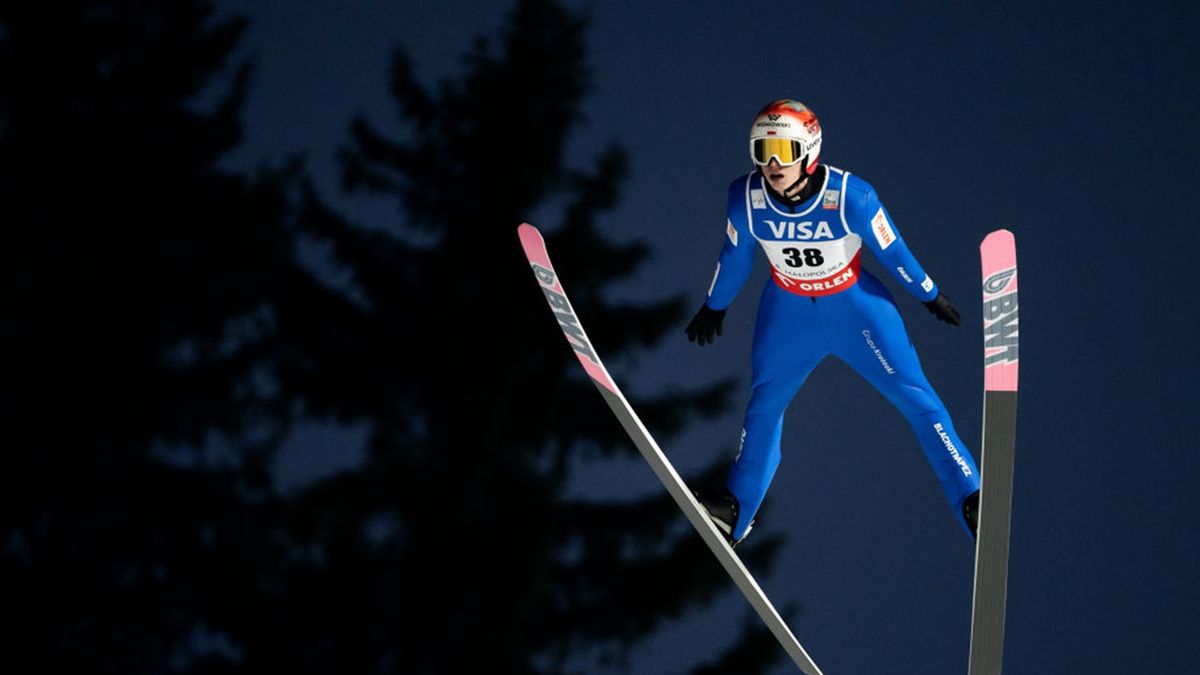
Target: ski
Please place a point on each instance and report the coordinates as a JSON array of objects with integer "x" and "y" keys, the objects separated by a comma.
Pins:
[
  {"x": 999, "y": 256},
  {"x": 539, "y": 259}
]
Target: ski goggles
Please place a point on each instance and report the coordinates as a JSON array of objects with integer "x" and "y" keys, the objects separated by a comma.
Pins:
[{"x": 785, "y": 151}]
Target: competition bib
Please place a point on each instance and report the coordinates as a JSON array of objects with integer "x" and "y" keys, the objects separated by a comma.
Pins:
[{"x": 814, "y": 268}]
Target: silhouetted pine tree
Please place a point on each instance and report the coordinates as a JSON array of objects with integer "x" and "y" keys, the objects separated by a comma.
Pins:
[
  {"x": 455, "y": 548},
  {"x": 156, "y": 329},
  {"x": 138, "y": 283}
]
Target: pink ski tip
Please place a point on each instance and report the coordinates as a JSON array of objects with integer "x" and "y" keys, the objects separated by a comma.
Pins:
[
  {"x": 998, "y": 254},
  {"x": 529, "y": 235},
  {"x": 999, "y": 250},
  {"x": 534, "y": 245}
]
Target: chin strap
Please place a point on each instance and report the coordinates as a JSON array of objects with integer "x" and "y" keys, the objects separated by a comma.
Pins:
[
  {"x": 792, "y": 191},
  {"x": 800, "y": 190}
]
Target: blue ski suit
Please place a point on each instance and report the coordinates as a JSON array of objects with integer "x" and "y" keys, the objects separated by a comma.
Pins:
[{"x": 819, "y": 302}]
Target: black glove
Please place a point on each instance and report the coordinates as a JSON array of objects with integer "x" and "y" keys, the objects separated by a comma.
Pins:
[
  {"x": 943, "y": 310},
  {"x": 705, "y": 326}
]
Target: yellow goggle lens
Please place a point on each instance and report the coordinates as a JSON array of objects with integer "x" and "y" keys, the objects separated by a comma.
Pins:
[{"x": 785, "y": 150}]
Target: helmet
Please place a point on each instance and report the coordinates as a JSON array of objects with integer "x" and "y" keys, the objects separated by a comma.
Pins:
[{"x": 789, "y": 132}]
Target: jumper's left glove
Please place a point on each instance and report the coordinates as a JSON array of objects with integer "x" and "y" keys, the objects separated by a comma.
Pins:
[
  {"x": 705, "y": 326},
  {"x": 943, "y": 310}
]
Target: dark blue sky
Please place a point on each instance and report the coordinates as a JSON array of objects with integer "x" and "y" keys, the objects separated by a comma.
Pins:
[{"x": 1073, "y": 126}]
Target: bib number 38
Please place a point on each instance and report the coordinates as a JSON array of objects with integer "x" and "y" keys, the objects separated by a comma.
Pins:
[{"x": 795, "y": 257}]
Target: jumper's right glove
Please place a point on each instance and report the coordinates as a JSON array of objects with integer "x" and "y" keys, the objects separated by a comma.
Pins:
[
  {"x": 705, "y": 326},
  {"x": 943, "y": 310}
]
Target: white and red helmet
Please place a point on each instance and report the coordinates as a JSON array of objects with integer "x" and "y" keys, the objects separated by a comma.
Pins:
[{"x": 789, "y": 132}]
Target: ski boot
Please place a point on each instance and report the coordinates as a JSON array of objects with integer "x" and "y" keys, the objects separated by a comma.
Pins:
[
  {"x": 722, "y": 508},
  {"x": 971, "y": 513}
]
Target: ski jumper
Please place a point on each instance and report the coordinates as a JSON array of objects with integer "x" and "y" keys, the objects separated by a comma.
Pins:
[{"x": 819, "y": 302}]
